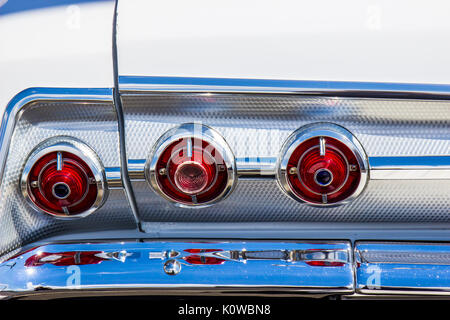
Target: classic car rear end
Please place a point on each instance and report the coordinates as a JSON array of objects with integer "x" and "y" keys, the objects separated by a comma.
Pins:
[{"x": 192, "y": 171}]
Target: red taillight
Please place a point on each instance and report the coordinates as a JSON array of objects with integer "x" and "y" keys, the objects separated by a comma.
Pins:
[
  {"x": 313, "y": 176},
  {"x": 69, "y": 190},
  {"x": 58, "y": 181},
  {"x": 323, "y": 164},
  {"x": 192, "y": 165},
  {"x": 191, "y": 171}
]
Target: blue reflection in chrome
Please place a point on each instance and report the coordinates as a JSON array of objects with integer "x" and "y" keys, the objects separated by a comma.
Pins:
[
  {"x": 414, "y": 162},
  {"x": 248, "y": 264},
  {"x": 402, "y": 266},
  {"x": 274, "y": 85}
]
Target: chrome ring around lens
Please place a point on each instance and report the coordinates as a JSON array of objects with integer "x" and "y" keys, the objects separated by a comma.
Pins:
[
  {"x": 192, "y": 131},
  {"x": 80, "y": 150},
  {"x": 320, "y": 132}
]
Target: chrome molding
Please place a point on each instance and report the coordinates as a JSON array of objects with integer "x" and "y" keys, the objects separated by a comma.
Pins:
[
  {"x": 402, "y": 268},
  {"x": 136, "y": 169},
  {"x": 114, "y": 178},
  {"x": 137, "y": 84},
  {"x": 410, "y": 168},
  {"x": 247, "y": 267},
  {"x": 406, "y": 168},
  {"x": 257, "y": 167}
]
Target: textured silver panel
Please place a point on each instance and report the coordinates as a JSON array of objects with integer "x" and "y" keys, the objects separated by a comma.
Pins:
[
  {"x": 405, "y": 257},
  {"x": 262, "y": 201},
  {"x": 257, "y": 125},
  {"x": 94, "y": 124}
]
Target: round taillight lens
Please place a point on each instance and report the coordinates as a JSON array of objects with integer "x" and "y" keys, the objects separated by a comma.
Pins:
[
  {"x": 59, "y": 181},
  {"x": 192, "y": 168},
  {"x": 323, "y": 164},
  {"x": 192, "y": 177}
]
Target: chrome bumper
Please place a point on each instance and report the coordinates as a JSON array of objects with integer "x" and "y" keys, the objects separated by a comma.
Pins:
[
  {"x": 303, "y": 268},
  {"x": 403, "y": 268}
]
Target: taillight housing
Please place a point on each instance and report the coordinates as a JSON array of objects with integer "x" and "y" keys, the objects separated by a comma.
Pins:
[
  {"x": 63, "y": 177},
  {"x": 322, "y": 164},
  {"x": 192, "y": 166}
]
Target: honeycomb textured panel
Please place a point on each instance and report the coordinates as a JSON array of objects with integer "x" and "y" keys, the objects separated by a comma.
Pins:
[
  {"x": 94, "y": 124},
  {"x": 257, "y": 126},
  {"x": 263, "y": 201},
  {"x": 405, "y": 257}
]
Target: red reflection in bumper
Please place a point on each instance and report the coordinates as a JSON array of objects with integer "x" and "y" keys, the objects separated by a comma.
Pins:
[{"x": 65, "y": 258}]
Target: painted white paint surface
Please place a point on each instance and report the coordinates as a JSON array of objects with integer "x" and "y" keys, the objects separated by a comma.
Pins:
[
  {"x": 348, "y": 40},
  {"x": 65, "y": 46}
]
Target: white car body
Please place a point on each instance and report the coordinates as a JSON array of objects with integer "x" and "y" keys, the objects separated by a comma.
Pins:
[{"x": 376, "y": 41}]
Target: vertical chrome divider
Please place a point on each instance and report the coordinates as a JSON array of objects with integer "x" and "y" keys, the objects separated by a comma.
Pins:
[{"x": 121, "y": 127}]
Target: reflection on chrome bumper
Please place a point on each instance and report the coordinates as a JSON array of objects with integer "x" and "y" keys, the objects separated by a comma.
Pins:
[
  {"x": 403, "y": 268},
  {"x": 220, "y": 267},
  {"x": 297, "y": 267}
]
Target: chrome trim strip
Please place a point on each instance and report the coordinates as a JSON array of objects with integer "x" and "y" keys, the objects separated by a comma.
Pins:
[
  {"x": 128, "y": 189},
  {"x": 256, "y": 167},
  {"x": 136, "y": 169},
  {"x": 381, "y": 168},
  {"x": 410, "y": 168},
  {"x": 399, "y": 268},
  {"x": 114, "y": 178},
  {"x": 405, "y": 174},
  {"x": 300, "y": 267},
  {"x": 410, "y": 163},
  {"x": 130, "y": 84}
]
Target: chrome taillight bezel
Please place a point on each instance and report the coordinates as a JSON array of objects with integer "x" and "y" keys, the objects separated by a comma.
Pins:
[
  {"x": 196, "y": 131},
  {"x": 79, "y": 149},
  {"x": 317, "y": 130}
]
